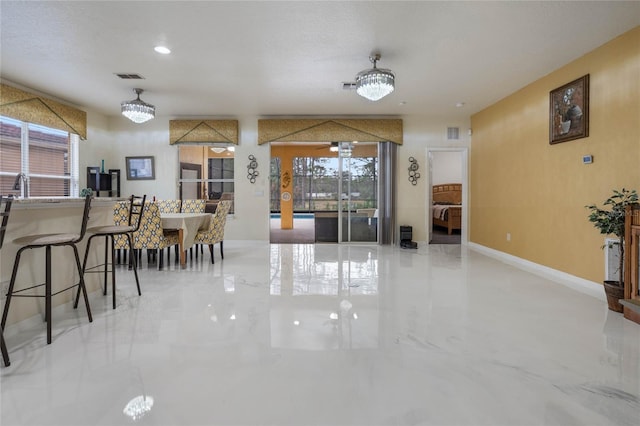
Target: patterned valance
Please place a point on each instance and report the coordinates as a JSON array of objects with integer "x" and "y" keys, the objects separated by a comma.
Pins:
[
  {"x": 323, "y": 130},
  {"x": 203, "y": 131},
  {"x": 36, "y": 109}
]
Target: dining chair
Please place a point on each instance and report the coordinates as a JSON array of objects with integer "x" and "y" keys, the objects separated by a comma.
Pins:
[
  {"x": 5, "y": 209},
  {"x": 151, "y": 235},
  {"x": 124, "y": 230},
  {"x": 193, "y": 206},
  {"x": 215, "y": 232},
  {"x": 47, "y": 241},
  {"x": 169, "y": 206}
]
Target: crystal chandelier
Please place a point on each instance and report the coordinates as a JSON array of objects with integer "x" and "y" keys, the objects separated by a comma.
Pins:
[
  {"x": 375, "y": 83},
  {"x": 137, "y": 110}
]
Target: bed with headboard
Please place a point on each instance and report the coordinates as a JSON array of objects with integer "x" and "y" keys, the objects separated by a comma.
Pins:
[{"x": 447, "y": 206}]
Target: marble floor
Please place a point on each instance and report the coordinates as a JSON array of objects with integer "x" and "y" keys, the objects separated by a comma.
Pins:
[{"x": 329, "y": 335}]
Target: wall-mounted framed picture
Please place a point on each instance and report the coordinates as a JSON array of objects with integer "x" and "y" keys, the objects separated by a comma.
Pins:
[
  {"x": 140, "y": 168},
  {"x": 569, "y": 111}
]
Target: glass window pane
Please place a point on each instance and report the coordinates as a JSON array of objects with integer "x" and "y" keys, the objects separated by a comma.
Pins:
[
  {"x": 217, "y": 164},
  {"x": 10, "y": 137},
  {"x": 44, "y": 155}
]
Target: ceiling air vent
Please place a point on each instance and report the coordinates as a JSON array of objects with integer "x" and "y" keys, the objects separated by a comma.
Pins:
[
  {"x": 126, "y": 76},
  {"x": 453, "y": 133},
  {"x": 348, "y": 86}
]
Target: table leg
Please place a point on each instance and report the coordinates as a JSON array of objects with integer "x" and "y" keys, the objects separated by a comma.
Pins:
[{"x": 183, "y": 256}]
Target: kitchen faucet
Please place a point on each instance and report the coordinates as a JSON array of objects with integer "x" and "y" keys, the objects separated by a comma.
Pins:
[{"x": 21, "y": 177}]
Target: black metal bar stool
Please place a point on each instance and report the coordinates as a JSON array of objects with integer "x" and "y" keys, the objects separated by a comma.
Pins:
[
  {"x": 5, "y": 208},
  {"x": 136, "y": 206},
  {"x": 47, "y": 241}
]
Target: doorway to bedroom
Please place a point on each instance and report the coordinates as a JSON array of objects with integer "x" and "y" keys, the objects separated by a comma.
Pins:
[{"x": 447, "y": 190}]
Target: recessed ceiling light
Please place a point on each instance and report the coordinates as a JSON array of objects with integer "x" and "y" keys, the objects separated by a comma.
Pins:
[
  {"x": 460, "y": 104},
  {"x": 162, "y": 49}
]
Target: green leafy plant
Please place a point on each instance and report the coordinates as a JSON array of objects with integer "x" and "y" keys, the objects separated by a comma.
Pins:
[{"x": 610, "y": 220}]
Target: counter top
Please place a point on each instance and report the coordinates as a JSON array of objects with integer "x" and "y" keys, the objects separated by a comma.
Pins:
[{"x": 53, "y": 202}]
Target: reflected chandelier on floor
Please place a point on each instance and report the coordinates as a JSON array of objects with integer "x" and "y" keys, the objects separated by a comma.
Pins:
[{"x": 137, "y": 110}]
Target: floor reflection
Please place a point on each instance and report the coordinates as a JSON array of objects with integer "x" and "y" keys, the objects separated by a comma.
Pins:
[{"x": 324, "y": 297}]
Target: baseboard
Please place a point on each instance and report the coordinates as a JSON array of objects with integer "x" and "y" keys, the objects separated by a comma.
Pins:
[{"x": 576, "y": 283}]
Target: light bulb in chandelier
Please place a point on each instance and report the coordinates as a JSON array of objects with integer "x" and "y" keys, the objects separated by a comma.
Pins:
[{"x": 137, "y": 110}]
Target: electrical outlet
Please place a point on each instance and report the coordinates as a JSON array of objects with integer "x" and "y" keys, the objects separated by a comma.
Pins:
[{"x": 508, "y": 236}]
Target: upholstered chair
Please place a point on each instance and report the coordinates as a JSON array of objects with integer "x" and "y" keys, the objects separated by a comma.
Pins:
[
  {"x": 169, "y": 206},
  {"x": 120, "y": 218},
  {"x": 193, "y": 206},
  {"x": 151, "y": 235},
  {"x": 215, "y": 233}
]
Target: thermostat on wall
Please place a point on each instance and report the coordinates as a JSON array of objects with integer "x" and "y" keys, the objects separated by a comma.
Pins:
[{"x": 587, "y": 159}]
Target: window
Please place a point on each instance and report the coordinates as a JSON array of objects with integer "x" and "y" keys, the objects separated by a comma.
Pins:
[
  {"x": 47, "y": 157},
  {"x": 207, "y": 172},
  {"x": 315, "y": 183}
]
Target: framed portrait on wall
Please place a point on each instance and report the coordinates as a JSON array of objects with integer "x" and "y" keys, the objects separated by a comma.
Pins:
[
  {"x": 140, "y": 168},
  {"x": 569, "y": 111}
]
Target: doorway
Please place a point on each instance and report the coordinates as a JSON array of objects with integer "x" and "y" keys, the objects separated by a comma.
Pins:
[
  {"x": 324, "y": 192},
  {"x": 447, "y": 195}
]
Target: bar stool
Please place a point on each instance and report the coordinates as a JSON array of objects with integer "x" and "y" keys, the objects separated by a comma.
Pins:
[
  {"x": 47, "y": 241},
  {"x": 5, "y": 208},
  {"x": 136, "y": 206}
]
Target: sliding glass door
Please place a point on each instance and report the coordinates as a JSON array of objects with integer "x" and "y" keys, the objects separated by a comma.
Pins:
[{"x": 358, "y": 192}]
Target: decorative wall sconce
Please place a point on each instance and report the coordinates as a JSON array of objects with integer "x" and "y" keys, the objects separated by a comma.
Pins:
[
  {"x": 252, "y": 172},
  {"x": 413, "y": 174}
]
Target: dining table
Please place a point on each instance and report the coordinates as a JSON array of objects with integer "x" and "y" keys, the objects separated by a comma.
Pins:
[{"x": 187, "y": 225}]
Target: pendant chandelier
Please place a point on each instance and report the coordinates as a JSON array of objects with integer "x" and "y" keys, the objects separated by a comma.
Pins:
[
  {"x": 375, "y": 83},
  {"x": 137, "y": 110}
]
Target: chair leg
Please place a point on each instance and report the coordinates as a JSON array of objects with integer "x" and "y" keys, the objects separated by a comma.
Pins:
[
  {"x": 106, "y": 257},
  {"x": 211, "y": 252},
  {"x": 135, "y": 268},
  {"x": 5, "y": 352},
  {"x": 113, "y": 268},
  {"x": 81, "y": 285},
  {"x": 47, "y": 291},
  {"x": 7, "y": 302},
  {"x": 160, "y": 262},
  {"x": 131, "y": 252},
  {"x": 84, "y": 268},
  {"x": 221, "y": 252}
]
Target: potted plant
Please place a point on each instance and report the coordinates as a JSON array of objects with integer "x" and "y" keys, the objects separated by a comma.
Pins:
[{"x": 610, "y": 220}]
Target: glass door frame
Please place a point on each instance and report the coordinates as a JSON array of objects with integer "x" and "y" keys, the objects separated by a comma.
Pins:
[{"x": 344, "y": 155}]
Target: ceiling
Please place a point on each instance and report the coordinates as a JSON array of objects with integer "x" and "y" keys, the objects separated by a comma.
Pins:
[{"x": 238, "y": 58}]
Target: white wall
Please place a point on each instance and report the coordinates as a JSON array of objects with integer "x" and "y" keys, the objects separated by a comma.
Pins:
[
  {"x": 446, "y": 167},
  {"x": 114, "y": 138}
]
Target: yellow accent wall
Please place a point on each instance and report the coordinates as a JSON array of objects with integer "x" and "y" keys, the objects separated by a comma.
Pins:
[{"x": 522, "y": 185}]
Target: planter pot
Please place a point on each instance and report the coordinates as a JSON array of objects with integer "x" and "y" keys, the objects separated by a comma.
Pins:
[{"x": 614, "y": 293}]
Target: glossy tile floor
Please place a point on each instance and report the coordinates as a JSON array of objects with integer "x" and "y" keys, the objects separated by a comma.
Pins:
[{"x": 330, "y": 335}]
